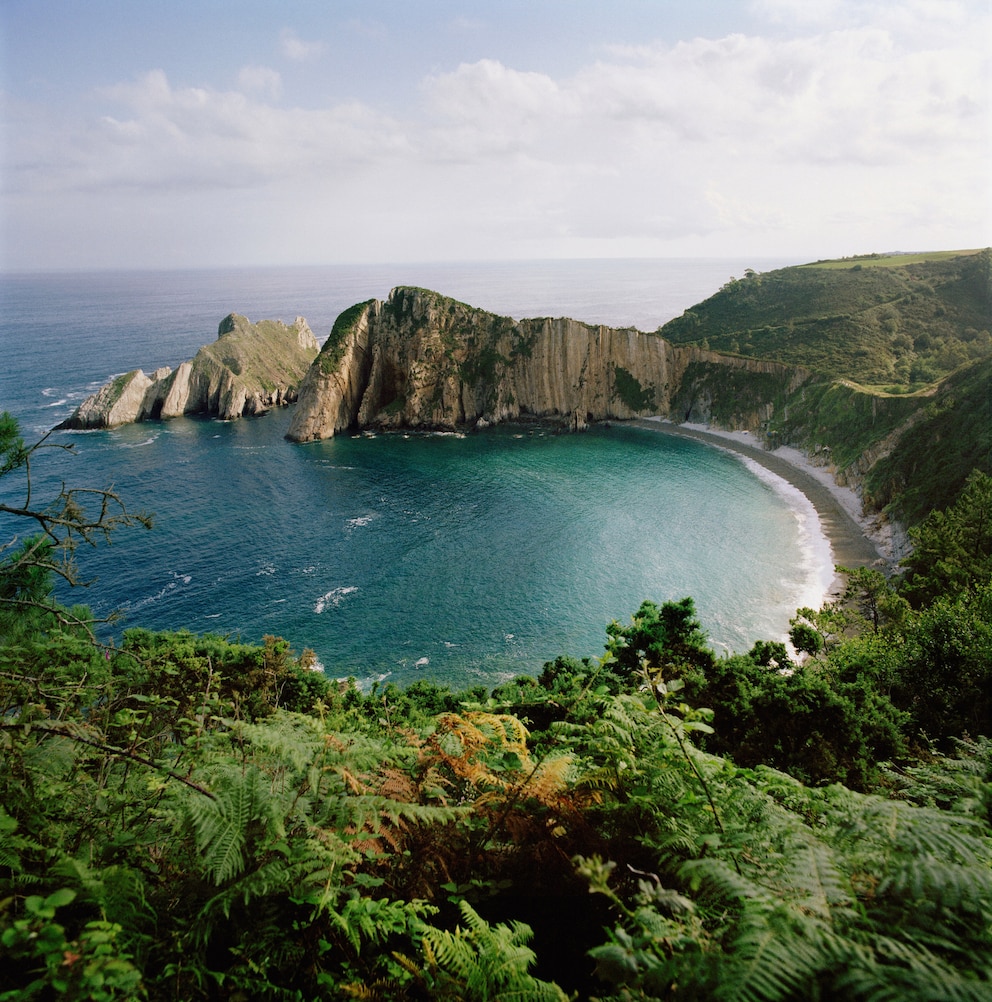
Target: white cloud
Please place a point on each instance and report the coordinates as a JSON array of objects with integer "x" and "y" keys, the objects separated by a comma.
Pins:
[
  {"x": 816, "y": 13},
  {"x": 919, "y": 19},
  {"x": 710, "y": 145},
  {"x": 725, "y": 105},
  {"x": 260, "y": 80},
  {"x": 158, "y": 136},
  {"x": 293, "y": 47},
  {"x": 485, "y": 109}
]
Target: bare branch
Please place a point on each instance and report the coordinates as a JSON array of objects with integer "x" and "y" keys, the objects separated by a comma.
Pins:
[{"x": 75, "y": 515}]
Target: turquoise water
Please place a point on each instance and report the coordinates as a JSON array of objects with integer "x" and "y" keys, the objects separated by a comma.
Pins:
[{"x": 455, "y": 558}]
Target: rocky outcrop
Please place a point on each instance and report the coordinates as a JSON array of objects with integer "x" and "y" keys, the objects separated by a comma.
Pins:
[
  {"x": 422, "y": 360},
  {"x": 246, "y": 371}
]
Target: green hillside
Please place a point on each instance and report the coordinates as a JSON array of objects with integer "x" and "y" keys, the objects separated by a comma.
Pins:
[
  {"x": 932, "y": 459},
  {"x": 901, "y": 355},
  {"x": 894, "y": 322}
]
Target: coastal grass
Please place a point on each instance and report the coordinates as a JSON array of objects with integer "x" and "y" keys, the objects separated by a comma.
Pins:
[
  {"x": 895, "y": 260},
  {"x": 928, "y": 466},
  {"x": 265, "y": 355}
]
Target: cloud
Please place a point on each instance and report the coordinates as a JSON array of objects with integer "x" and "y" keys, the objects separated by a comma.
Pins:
[
  {"x": 156, "y": 136},
  {"x": 260, "y": 80},
  {"x": 819, "y": 13},
  {"x": 294, "y": 48},
  {"x": 735, "y": 141},
  {"x": 853, "y": 96},
  {"x": 919, "y": 19},
  {"x": 485, "y": 108}
]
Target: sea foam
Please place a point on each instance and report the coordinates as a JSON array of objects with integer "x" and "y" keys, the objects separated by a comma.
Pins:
[
  {"x": 333, "y": 598},
  {"x": 816, "y": 553}
]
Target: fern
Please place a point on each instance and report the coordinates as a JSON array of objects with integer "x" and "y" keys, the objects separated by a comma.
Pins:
[
  {"x": 773, "y": 957},
  {"x": 906, "y": 972},
  {"x": 483, "y": 962},
  {"x": 221, "y": 826},
  {"x": 814, "y": 893},
  {"x": 962, "y": 785},
  {"x": 12, "y": 845}
]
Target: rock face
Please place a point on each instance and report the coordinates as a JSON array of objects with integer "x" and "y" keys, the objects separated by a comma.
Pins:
[
  {"x": 422, "y": 360},
  {"x": 247, "y": 370}
]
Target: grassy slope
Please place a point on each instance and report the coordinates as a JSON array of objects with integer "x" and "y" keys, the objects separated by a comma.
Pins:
[
  {"x": 899, "y": 325},
  {"x": 264, "y": 355},
  {"x": 903, "y": 351},
  {"x": 931, "y": 461}
]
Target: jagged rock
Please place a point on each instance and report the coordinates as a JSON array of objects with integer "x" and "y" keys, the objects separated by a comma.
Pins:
[
  {"x": 247, "y": 370},
  {"x": 423, "y": 360},
  {"x": 119, "y": 402}
]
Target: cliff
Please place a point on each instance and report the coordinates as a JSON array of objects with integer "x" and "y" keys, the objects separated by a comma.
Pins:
[
  {"x": 247, "y": 370},
  {"x": 422, "y": 360}
]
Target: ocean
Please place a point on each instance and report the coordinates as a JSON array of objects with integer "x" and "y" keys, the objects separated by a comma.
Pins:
[{"x": 462, "y": 559}]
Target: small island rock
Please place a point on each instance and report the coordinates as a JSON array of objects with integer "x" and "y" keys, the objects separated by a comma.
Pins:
[{"x": 250, "y": 368}]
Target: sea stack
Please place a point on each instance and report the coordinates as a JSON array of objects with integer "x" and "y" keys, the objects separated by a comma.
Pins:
[{"x": 250, "y": 368}]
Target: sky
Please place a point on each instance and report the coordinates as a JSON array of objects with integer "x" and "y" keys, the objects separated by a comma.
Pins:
[{"x": 151, "y": 134}]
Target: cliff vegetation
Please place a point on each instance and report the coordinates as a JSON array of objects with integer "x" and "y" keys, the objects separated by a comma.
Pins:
[{"x": 877, "y": 321}]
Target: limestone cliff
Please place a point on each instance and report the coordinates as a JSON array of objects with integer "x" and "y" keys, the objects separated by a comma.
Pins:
[
  {"x": 422, "y": 360},
  {"x": 247, "y": 370}
]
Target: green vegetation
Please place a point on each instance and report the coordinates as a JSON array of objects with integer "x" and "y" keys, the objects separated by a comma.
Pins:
[
  {"x": 333, "y": 350},
  {"x": 897, "y": 356},
  {"x": 842, "y": 418},
  {"x": 120, "y": 384},
  {"x": 889, "y": 260},
  {"x": 903, "y": 325},
  {"x": 483, "y": 366},
  {"x": 629, "y": 391},
  {"x": 264, "y": 354},
  {"x": 184, "y": 817},
  {"x": 950, "y": 436},
  {"x": 727, "y": 394}
]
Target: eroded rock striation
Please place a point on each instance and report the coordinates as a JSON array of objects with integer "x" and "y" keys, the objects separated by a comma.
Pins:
[
  {"x": 423, "y": 360},
  {"x": 250, "y": 368}
]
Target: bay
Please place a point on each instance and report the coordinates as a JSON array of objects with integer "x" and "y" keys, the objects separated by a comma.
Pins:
[{"x": 458, "y": 558}]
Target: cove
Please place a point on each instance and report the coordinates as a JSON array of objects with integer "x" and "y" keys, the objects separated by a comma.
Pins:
[{"x": 460, "y": 559}]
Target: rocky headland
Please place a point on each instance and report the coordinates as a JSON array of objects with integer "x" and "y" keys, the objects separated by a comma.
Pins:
[
  {"x": 423, "y": 360},
  {"x": 250, "y": 368}
]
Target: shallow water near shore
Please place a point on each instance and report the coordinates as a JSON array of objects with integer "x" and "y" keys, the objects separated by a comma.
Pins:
[{"x": 461, "y": 559}]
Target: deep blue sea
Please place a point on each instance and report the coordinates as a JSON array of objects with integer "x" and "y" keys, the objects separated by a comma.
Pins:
[{"x": 456, "y": 558}]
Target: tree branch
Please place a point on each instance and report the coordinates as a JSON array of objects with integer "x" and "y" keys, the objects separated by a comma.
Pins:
[{"x": 70, "y": 732}]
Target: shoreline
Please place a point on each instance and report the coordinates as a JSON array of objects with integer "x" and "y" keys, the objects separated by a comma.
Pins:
[{"x": 855, "y": 540}]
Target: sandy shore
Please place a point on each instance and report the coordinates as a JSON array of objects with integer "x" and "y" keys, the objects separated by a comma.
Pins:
[{"x": 855, "y": 541}]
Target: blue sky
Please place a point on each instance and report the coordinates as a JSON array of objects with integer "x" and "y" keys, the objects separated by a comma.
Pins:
[{"x": 179, "y": 134}]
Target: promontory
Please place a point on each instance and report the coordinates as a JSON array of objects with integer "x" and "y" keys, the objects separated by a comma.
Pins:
[
  {"x": 876, "y": 368},
  {"x": 423, "y": 360}
]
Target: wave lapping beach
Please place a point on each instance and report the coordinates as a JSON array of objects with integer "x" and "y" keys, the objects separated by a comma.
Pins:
[{"x": 856, "y": 539}]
